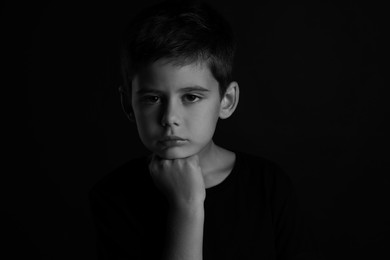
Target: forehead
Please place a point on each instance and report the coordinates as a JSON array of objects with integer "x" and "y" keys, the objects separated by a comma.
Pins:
[{"x": 165, "y": 76}]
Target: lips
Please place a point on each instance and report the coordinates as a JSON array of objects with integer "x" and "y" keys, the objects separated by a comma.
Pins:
[
  {"x": 170, "y": 141},
  {"x": 172, "y": 138}
]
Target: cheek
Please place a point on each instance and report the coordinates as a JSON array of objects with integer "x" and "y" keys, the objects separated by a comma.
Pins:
[
  {"x": 146, "y": 123},
  {"x": 146, "y": 116},
  {"x": 205, "y": 122}
]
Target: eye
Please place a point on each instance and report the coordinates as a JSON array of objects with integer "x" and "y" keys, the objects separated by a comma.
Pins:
[
  {"x": 150, "y": 99},
  {"x": 190, "y": 98}
]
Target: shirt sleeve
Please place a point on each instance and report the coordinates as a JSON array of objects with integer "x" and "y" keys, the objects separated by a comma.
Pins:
[
  {"x": 293, "y": 238},
  {"x": 116, "y": 232}
]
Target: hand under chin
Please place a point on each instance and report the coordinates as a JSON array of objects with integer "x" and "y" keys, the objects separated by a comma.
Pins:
[{"x": 172, "y": 154}]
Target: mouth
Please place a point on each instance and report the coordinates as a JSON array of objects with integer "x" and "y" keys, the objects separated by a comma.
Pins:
[{"x": 170, "y": 141}]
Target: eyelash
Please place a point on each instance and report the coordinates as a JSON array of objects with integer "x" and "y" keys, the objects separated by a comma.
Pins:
[
  {"x": 149, "y": 99},
  {"x": 197, "y": 98}
]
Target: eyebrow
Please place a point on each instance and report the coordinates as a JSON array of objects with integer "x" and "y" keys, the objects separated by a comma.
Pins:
[{"x": 186, "y": 89}]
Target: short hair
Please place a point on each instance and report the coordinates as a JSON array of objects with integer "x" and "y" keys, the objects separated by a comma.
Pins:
[{"x": 183, "y": 33}]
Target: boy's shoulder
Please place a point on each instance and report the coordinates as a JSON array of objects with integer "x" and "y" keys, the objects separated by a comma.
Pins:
[
  {"x": 123, "y": 177},
  {"x": 256, "y": 166},
  {"x": 256, "y": 162}
]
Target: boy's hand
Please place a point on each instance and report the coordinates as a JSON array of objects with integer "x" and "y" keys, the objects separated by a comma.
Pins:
[{"x": 181, "y": 180}]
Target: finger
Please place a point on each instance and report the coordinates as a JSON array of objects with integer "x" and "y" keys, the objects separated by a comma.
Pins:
[
  {"x": 153, "y": 165},
  {"x": 157, "y": 163},
  {"x": 193, "y": 159}
]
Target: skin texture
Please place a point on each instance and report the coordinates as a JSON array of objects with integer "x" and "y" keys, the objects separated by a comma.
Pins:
[
  {"x": 169, "y": 109},
  {"x": 180, "y": 189},
  {"x": 189, "y": 115}
]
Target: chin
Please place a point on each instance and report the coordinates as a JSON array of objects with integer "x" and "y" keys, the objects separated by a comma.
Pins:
[{"x": 175, "y": 153}]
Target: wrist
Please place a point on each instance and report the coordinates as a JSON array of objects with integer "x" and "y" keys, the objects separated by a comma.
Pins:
[
  {"x": 193, "y": 207},
  {"x": 181, "y": 202}
]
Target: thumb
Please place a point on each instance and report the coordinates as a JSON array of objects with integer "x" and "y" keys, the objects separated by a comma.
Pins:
[{"x": 152, "y": 163}]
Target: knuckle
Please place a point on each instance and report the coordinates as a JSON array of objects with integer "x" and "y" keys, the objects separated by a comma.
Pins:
[
  {"x": 164, "y": 163},
  {"x": 178, "y": 163}
]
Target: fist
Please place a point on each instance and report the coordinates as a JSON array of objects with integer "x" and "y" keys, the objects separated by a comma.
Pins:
[{"x": 181, "y": 180}]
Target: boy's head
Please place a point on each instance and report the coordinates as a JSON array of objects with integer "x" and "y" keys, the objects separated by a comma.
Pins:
[
  {"x": 177, "y": 65},
  {"x": 183, "y": 33}
]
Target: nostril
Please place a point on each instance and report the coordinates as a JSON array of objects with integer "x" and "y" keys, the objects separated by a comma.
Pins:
[{"x": 169, "y": 121}]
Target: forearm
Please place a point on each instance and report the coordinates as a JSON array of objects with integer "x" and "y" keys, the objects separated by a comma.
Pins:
[{"x": 185, "y": 233}]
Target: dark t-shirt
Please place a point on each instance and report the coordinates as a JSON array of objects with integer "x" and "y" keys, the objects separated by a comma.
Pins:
[{"x": 252, "y": 214}]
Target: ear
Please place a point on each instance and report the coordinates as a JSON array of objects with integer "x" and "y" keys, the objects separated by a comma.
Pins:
[
  {"x": 126, "y": 103},
  {"x": 229, "y": 101}
]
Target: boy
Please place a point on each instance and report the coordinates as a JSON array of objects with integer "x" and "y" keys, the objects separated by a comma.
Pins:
[{"x": 190, "y": 199}]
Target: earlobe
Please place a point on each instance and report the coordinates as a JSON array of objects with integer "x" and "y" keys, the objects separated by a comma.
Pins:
[
  {"x": 126, "y": 104},
  {"x": 229, "y": 101}
]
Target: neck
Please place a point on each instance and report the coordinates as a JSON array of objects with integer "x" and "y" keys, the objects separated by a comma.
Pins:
[{"x": 208, "y": 156}]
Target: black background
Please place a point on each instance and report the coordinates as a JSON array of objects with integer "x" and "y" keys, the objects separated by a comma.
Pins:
[{"x": 313, "y": 99}]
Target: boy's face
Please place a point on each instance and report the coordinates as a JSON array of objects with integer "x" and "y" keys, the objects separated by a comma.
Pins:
[{"x": 171, "y": 102}]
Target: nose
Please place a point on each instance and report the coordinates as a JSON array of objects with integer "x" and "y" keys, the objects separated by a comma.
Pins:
[{"x": 170, "y": 116}]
